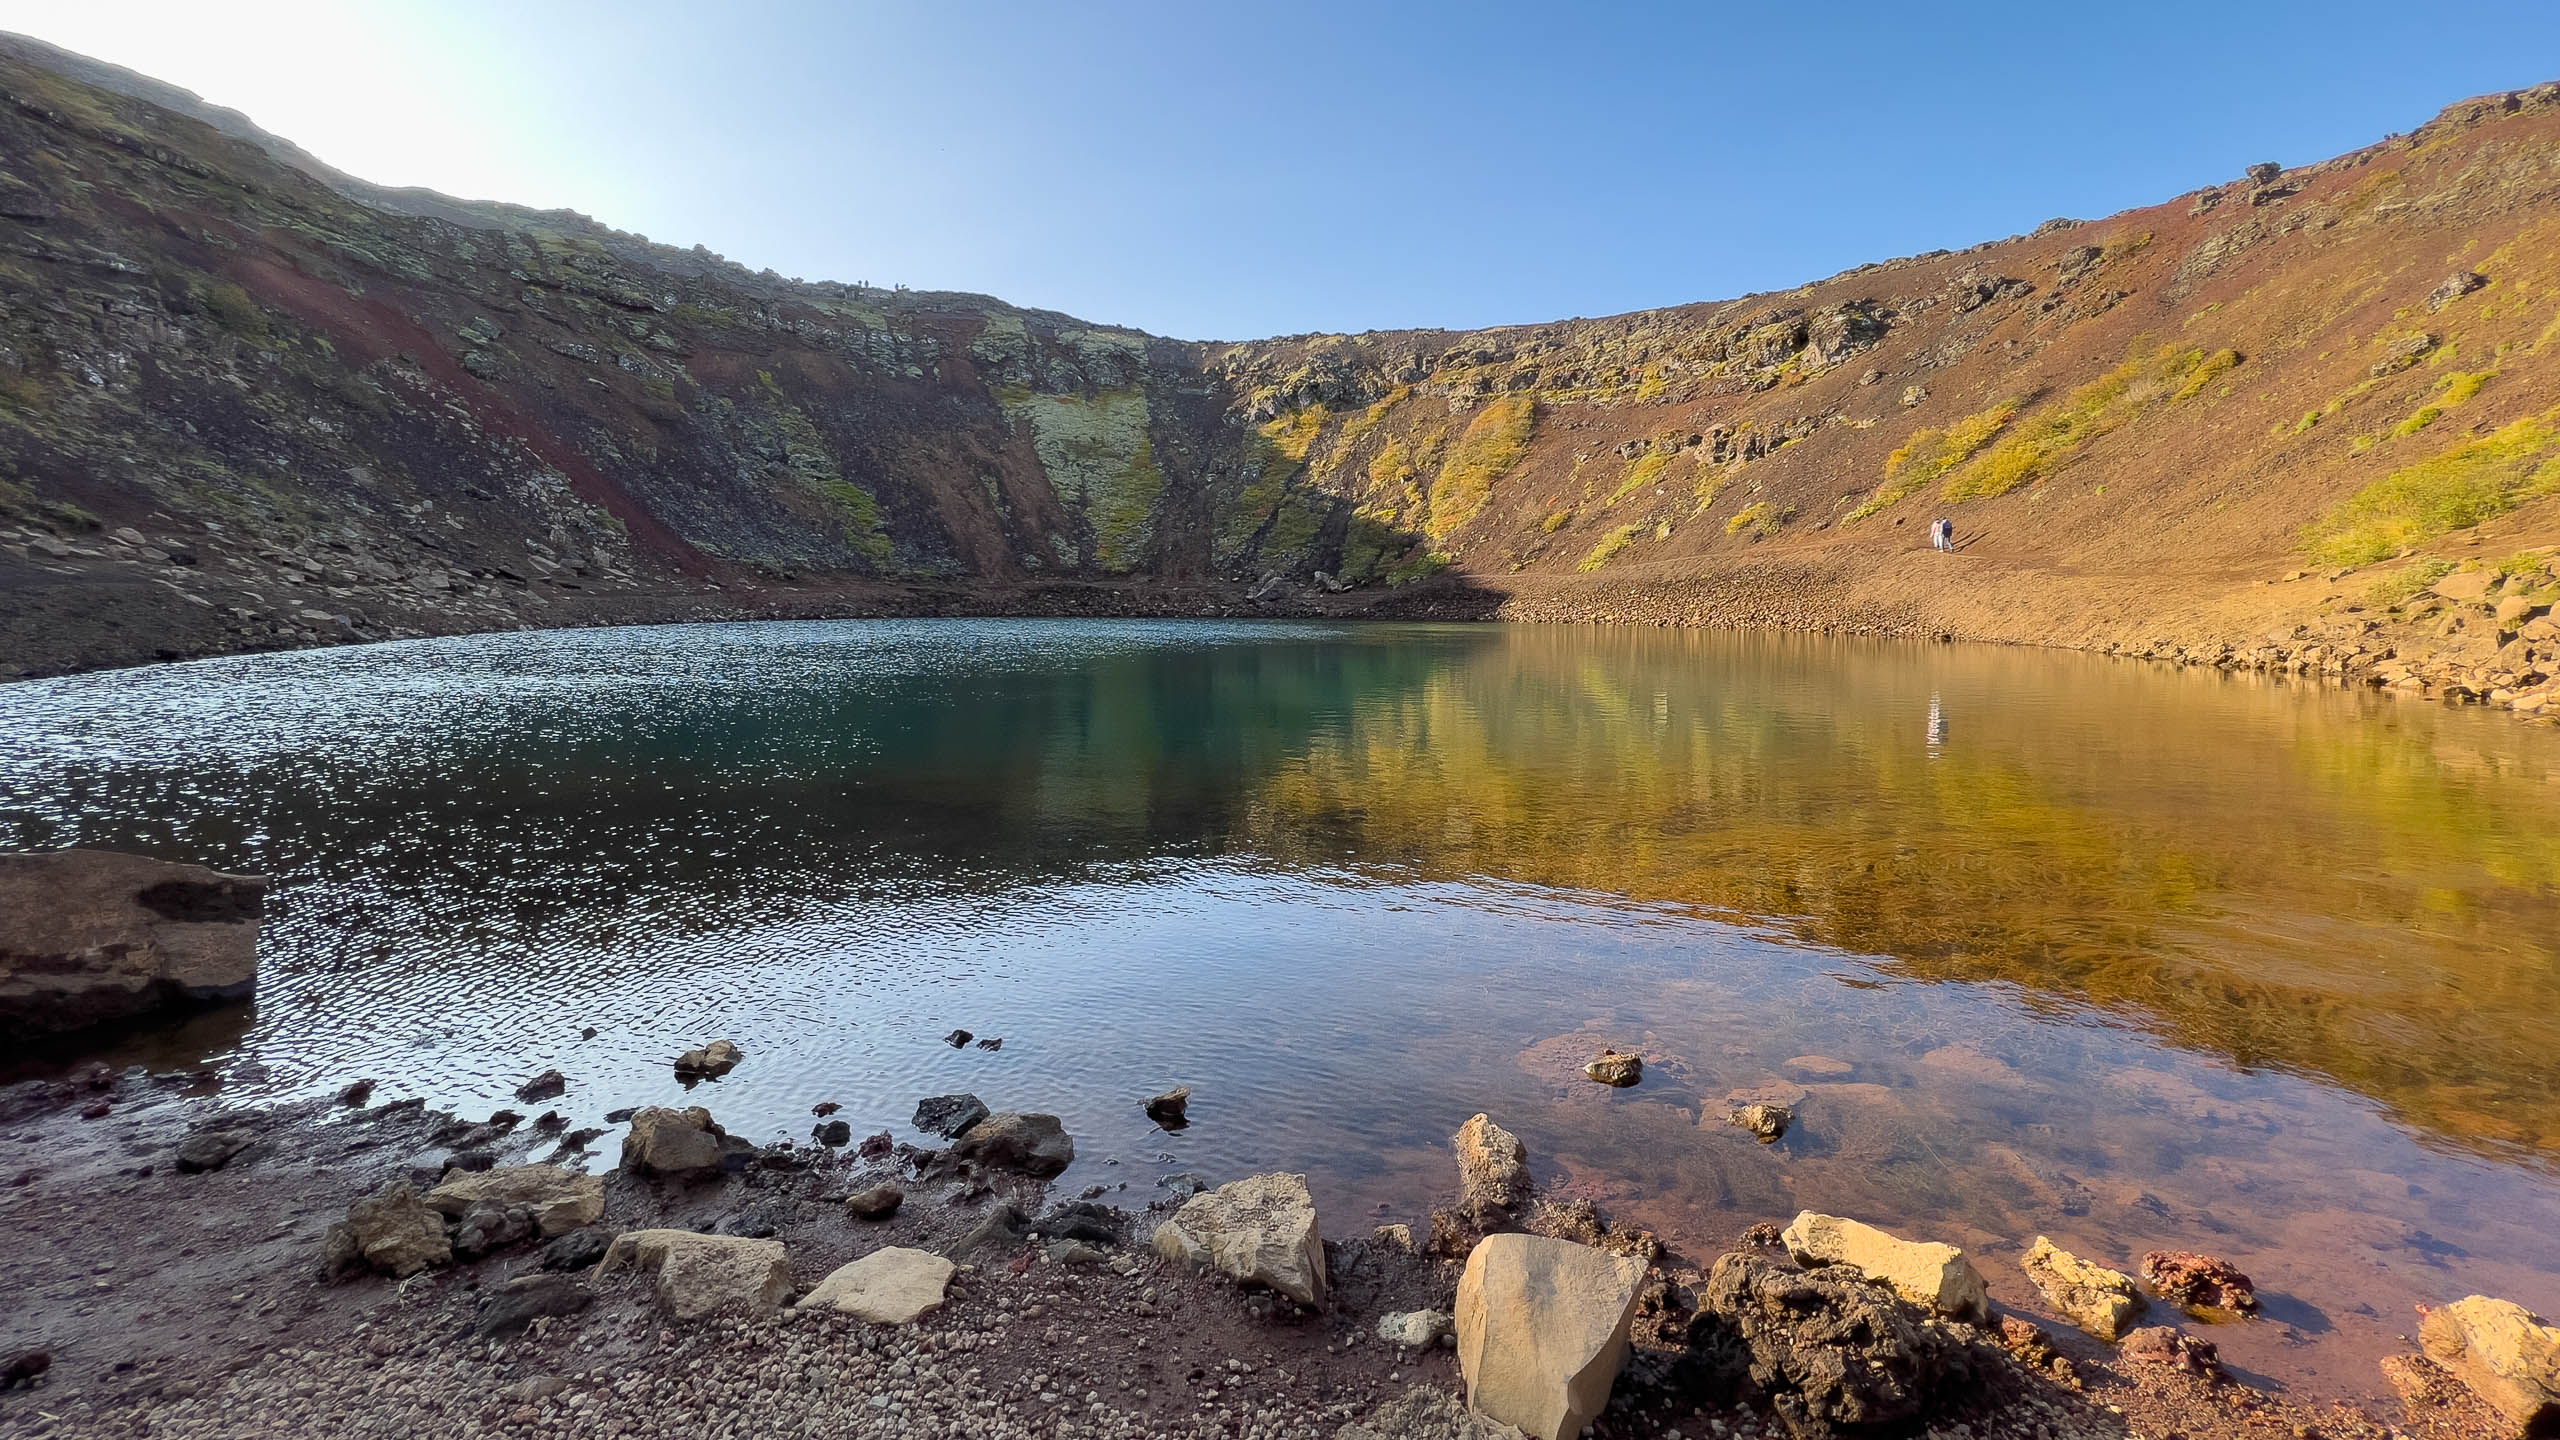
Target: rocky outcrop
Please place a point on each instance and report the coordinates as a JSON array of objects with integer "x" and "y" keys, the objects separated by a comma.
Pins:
[
  {"x": 2505, "y": 1353},
  {"x": 559, "y": 1200},
  {"x": 93, "y": 936},
  {"x": 704, "y": 1275},
  {"x": 391, "y": 1230},
  {"x": 1833, "y": 1357},
  {"x": 1022, "y": 1144},
  {"x": 1543, "y": 1330},
  {"x": 2093, "y": 1297},
  {"x": 1931, "y": 1275},
  {"x": 890, "y": 1286},
  {"x": 681, "y": 1144},
  {"x": 1260, "y": 1231}
]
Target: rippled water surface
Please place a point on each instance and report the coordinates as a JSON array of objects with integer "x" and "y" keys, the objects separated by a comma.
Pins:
[{"x": 2038, "y": 944}]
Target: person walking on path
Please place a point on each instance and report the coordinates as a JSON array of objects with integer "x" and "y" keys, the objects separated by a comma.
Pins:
[{"x": 1942, "y": 535}]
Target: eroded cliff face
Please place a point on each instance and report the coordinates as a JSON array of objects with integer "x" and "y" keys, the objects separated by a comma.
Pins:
[{"x": 245, "y": 402}]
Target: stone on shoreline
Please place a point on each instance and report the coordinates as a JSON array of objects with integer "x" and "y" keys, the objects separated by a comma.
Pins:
[
  {"x": 1260, "y": 1230},
  {"x": 704, "y": 1275},
  {"x": 549, "y": 1085},
  {"x": 681, "y": 1144},
  {"x": 877, "y": 1203},
  {"x": 1544, "y": 1327},
  {"x": 528, "y": 1298},
  {"x": 890, "y": 1286},
  {"x": 949, "y": 1116},
  {"x": 2201, "y": 1282},
  {"x": 1026, "y": 1144},
  {"x": 1415, "y": 1329},
  {"x": 1835, "y": 1357},
  {"x": 2093, "y": 1297},
  {"x": 2504, "y": 1352},
  {"x": 561, "y": 1200},
  {"x": 390, "y": 1230},
  {"x": 213, "y": 1149},
  {"x": 92, "y": 936},
  {"x": 1926, "y": 1273},
  {"x": 710, "y": 1062},
  {"x": 2164, "y": 1345},
  {"x": 1493, "y": 1186}
]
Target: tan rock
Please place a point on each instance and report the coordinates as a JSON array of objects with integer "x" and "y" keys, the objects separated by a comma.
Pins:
[
  {"x": 2093, "y": 1297},
  {"x": 680, "y": 1143},
  {"x": 1543, "y": 1330},
  {"x": 1260, "y": 1230},
  {"x": 1612, "y": 1068},
  {"x": 1493, "y": 1173},
  {"x": 2505, "y": 1353},
  {"x": 710, "y": 1061},
  {"x": 890, "y": 1286},
  {"x": 390, "y": 1230},
  {"x": 2464, "y": 586},
  {"x": 561, "y": 1200},
  {"x": 89, "y": 936},
  {"x": 705, "y": 1275},
  {"x": 1926, "y": 1273},
  {"x": 1425, "y": 1412},
  {"x": 1026, "y": 1144}
]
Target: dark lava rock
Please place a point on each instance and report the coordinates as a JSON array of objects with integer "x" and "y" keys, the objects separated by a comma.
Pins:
[
  {"x": 550, "y": 1120},
  {"x": 357, "y": 1095},
  {"x": 761, "y": 1220},
  {"x": 25, "y": 1369},
  {"x": 489, "y": 1226},
  {"x": 958, "y": 1039},
  {"x": 992, "y": 1042},
  {"x": 471, "y": 1160},
  {"x": 621, "y": 1116},
  {"x": 1834, "y": 1357},
  {"x": 549, "y": 1085},
  {"x": 1081, "y": 1220},
  {"x": 520, "y": 1302},
  {"x": 212, "y": 1149},
  {"x": 1025, "y": 1144},
  {"x": 949, "y": 1116},
  {"x": 834, "y": 1132},
  {"x": 824, "y": 1108},
  {"x": 875, "y": 1146},
  {"x": 2201, "y": 1282},
  {"x": 2161, "y": 1345},
  {"x": 577, "y": 1250},
  {"x": 577, "y": 1140},
  {"x": 97, "y": 1110},
  {"x": 1172, "y": 1108},
  {"x": 877, "y": 1203},
  {"x": 1003, "y": 1229}
]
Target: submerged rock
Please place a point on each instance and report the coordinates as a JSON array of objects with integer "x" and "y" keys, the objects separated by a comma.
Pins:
[
  {"x": 1612, "y": 1068},
  {"x": 710, "y": 1062},
  {"x": 92, "y": 936},
  {"x": 2505, "y": 1353},
  {"x": 1544, "y": 1327},
  {"x": 1767, "y": 1123},
  {"x": 548, "y": 1085},
  {"x": 1171, "y": 1109},
  {"x": 833, "y": 1134},
  {"x": 1935, "y": 1276},
  {"x": 2199, "y": 1282},
  {"x": 890, "y": 1286},
  {"x": 949, "y": 1116},
  {"x": 1260, "y": 1231},
  {"x": 704, "y": 1275},
  {"x": 1834, "y": 1356},
  {"x": 2093, "y": 1297},
  {"x": 1026, "y": 1144}
]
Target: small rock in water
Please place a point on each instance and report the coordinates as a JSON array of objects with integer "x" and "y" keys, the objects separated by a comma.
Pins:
[
  {"x": 992, "y": 1042},
  {"x": 1170, "y": 1108},
  {"x": 958, "y": 1039},
  {"x": 550, "y": 1120},
  {"x": 877, "y": 1203},
  {"x": 832, "y": 1133},
  {"x": 949, "y": 1116},
  {"x": 2093, "y": 1297},
  {"x": 589, "y": 1033},
  {"x": 616, "y": 1117},
  {"x": 2202, "y": 1282},
  {"x": 548, "y": 1085},
  {"x": 1820, "y": 1066},
  {"x": 824, "y": 1108},
  {"x": 1613, "y": 1068},
  {"x": 710, "y": 1062},
  {"x": 1767, "y": 1122}
]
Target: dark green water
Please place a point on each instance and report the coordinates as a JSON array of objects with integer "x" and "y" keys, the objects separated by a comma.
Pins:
[{"x": 2039, "y": 944}]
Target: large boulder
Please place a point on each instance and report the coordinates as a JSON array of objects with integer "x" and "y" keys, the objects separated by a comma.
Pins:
[
  {"x": 2505, "y": 1353},
  {"x": 1835, "y": 1357},
  {"x": 1543, "y": 1329},
  {"x": 2093, "y": 1297},
  {"x": 1925, "y": 1273},
  {"x": 890, "y": 1286},
  {"x": 681, "y": 1144},
  {"x": 561, "y": 1200},
  {"x": 390, "y": 1230},
  {"x": 90, "y": 936},
  {"x": 1024, "y": 1144},
  {"x": 1260, "y": 1230},
  {"x": 705, "y": 1275}
]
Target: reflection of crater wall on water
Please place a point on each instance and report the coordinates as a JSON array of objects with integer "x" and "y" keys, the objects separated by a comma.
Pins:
[{"x": 2278, "y": 877}]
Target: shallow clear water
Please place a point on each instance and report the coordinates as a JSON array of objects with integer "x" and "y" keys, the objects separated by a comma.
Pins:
[{"x": 2038, "y": 943}]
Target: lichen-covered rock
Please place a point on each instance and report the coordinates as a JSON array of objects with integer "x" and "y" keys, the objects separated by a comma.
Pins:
[
  {"x": 1025, "y": 1144},
  {"x": 2093, "y": 1297},
  {"x": 1926, "y": 1273},
  {"x": 1260, "y": 1230},
  {"x": 2505, "y": 1353},
  {"x": 2199, "y": 1282},
  {"x": 561, "y": 1200},
  {"x": 1835, "y": 1357},
  {"x": 91, "y": 936},
  {"x": 1543, "y": 1329},
  {"x": 890, "y": 1286},
  {"x": 391, "y": 1230},
  {"x": 681, "y": 1144},
  {"x": 704, "y": 1275}
]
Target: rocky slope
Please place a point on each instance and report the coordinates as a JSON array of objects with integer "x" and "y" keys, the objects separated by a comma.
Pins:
[{"x": 2305, "y": 419}]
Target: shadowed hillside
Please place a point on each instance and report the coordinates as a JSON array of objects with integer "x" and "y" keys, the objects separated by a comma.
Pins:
[{"x": 2304, "y": 420}]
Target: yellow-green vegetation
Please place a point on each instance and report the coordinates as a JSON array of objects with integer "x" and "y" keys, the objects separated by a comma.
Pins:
[
  {"x": 1758, "y": 520},
  {"x": 2419, "y": 419},
  {"x": 1484, "y": 452},
  {"x": 2215, "y": 366},
  {"x": 1608, "y": 548},
  {"x": 1931, "y": 452},
  {"x": 2461, "y": 385},
  {"x": 1654, "y": 385},
  {"x": 1556, "y": 520},
  {"x": 1711, "y": 482},
  {"x": 1294, "y": 433},
  {"x": 1100, "y": 459},
  {"x": 2478, "y": 478},
  {"x": 1646, "y": 469},
  {"x": 232, "y": 308},
  {"x": 2407, "y": 583},
  {"x": 2054, "y": 436}
]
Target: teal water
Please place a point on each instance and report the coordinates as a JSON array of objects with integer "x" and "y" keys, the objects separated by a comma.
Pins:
[{"x": 2036, "y": 943}]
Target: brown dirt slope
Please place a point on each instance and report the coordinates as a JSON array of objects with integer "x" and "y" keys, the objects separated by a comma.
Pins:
[{"x": 2304, "y": 420}]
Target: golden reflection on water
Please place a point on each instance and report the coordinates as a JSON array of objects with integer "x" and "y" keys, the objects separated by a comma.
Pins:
[{"x": 2338, "y": 885}]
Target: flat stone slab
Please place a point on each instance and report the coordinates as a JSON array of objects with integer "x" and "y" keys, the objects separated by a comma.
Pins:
[{"x": 890, "y": 1286}]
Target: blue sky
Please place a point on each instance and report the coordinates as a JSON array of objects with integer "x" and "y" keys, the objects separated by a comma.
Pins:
[{"x": 1223, "y": 171}]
